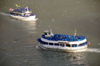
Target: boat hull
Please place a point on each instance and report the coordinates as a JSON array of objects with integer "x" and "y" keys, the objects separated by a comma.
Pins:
[
  {"x": 30, "y": 18},
  {"x": 63, "y": 49}
]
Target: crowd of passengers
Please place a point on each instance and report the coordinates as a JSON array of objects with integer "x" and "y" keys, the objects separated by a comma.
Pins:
[{"x": 64, "y": 37}]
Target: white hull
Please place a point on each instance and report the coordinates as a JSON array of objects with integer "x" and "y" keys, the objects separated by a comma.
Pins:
[
  {"x": 30, "y": 18},
  {"x": 63, "y": 49}
]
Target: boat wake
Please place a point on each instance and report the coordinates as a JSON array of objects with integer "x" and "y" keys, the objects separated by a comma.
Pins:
[
  {"x": 5, "y": 14},
  {"x": 37, "y": 47},
  {"x": 96, "y": 50}
]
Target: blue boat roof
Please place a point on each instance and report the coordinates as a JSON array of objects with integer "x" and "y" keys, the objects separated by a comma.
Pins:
[{"x": 62, "y": 37}]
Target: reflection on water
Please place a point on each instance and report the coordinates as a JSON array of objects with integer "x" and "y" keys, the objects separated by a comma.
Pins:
[
  {"x": 64, "y": 59},
  {"x": 17, "y": 43},
  {"x": 31, "y": 26}
]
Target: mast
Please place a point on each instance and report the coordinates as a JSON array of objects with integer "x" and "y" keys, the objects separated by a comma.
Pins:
[
  {"x": 75, "y": 33},
  {"x": 51, "y": 32},
  {"x": 27, "y": 8}
]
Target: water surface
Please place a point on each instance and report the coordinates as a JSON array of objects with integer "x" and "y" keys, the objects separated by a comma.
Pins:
[{"x": 18, "y": 39}]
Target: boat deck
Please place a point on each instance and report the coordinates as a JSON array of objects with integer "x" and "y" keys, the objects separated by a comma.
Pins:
[
  {"x": 62, "y": 37},
  {"x": 21, "y": 10}
]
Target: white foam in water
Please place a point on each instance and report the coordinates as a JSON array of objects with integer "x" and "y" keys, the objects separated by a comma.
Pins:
[
  {"x": 2, "y": 13},
  {"x": 37, "y": 47},
  {"x": 96, "y": 50},
  {"x": 13, "y": 20},
  {"x": 5, "y": 14}
]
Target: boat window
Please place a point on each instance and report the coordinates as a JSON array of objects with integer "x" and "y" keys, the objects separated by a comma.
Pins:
[
  {"x": 45, "y": 33},
  {"x": 62, "y": 45},
  {"x": 43, "y": 42},
  {"x": 46, "y": 43},
  {"x": 50, "y": 43},
  {"x": 82, "y": 44},
  {"x": 68, "y": 45},
  {"x": 56, "y": 44},
  {"x": 74, "y": 45}
]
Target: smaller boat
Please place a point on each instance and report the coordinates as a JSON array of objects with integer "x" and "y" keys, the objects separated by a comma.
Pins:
[
  {"x": 61, "y": 42},
  {"x": 23, "y": 14}
]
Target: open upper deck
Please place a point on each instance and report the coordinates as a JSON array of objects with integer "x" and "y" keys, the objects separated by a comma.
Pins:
[
  {"x": 61, "y": 37},
  {"x": 21, "y": 10}
]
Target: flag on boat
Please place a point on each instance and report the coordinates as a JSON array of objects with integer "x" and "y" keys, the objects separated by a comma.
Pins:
[
  {"x": 89, "y": 43},
  {"x": 10, "y": 9},
  {"x": 16, "y": 5},
  {"x": 75, "y": 30},
  {"x": 75, "y": 33}
]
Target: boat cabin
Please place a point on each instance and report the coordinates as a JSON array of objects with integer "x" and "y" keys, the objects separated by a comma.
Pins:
[{"x": 48, "y": 33}]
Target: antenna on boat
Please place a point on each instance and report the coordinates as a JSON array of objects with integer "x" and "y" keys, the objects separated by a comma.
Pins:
[
  {"x": 75, "y": 33},
  {"x": 51, "y": 32},
  {"x": 27, "y": 8}
]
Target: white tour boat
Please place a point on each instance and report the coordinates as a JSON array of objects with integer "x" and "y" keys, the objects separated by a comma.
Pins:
[
  {"x": 61, "y": 42},
  {"x": 23, "y": 14}
]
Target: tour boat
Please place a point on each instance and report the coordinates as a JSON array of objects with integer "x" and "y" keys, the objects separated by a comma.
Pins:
[
  {"x": 61, "y": 42},
  {"x": 23, "y": 14}
]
